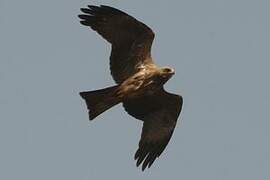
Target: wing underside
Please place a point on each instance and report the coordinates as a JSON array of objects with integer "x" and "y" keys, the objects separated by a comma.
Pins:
[
  {"x": 159, "y": 113},
  {"x": 131, "y": 39}
]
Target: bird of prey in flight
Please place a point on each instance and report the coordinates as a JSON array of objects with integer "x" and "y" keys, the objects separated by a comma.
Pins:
[{"x": 139, "y": 80}]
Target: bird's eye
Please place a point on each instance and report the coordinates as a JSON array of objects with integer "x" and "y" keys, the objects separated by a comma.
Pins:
[{"x": 167, "y": 70}]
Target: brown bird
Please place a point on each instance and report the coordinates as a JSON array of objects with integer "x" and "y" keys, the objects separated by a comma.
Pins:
[{"x": 139, "y": 81}]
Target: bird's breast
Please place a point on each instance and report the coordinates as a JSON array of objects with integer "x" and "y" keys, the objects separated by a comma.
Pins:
[{"x": 138, "y": 85}]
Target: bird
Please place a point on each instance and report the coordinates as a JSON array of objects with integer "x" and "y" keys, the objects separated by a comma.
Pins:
[{"x": 139, "y": 81}]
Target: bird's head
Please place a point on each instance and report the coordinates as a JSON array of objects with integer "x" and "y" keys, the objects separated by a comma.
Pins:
[{"x": 166, "y": 73}]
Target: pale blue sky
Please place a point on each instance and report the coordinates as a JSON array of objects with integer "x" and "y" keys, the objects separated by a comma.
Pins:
[{"x": 219, "y": 48}]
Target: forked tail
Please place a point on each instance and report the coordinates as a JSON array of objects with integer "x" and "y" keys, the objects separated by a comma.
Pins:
[{"x": 99, "y": 101}]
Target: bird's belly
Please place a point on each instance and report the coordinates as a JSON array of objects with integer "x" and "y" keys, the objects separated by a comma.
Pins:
[{"x": 138, "y": 89}]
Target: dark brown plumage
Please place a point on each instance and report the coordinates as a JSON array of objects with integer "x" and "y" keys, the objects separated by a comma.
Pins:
[{"x": 139, "y": 81}]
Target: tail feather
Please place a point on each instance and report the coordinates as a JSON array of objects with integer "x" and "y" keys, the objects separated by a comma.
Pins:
[{"x": 99, "y": 101}]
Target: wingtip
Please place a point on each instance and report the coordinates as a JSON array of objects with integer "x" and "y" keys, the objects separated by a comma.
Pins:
[
  {"x": 85, "y": 10},
  {"x": 138, "y": 163},
  {"x": 150, "y": 163},
  {"x": 143, "y": 168},
  {"x": 84, "y": 23},
  {"x": 81, "y": 94},
  {"x": 93, "y": 7},
  {"x": 136, "y": 155},
  {"x": 91, "y": 116},
  {"x": 83, "y": 16},
  {"x": 80, "y": 16}
]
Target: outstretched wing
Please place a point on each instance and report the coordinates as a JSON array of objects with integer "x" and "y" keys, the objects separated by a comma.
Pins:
[
  {"x": 159, "y": 113},
  {"x": 131, "y": 40}
]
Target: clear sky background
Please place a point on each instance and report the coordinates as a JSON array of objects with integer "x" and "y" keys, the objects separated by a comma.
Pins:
[{"x": 219, "y": 48}]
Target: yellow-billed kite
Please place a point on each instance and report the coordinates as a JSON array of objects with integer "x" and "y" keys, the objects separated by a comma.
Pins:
[{"x": 139, "y": 80}]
